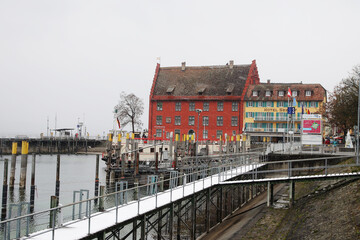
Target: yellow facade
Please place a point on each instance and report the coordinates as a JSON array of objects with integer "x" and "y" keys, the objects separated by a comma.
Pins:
[{"x": 271, "y": 116}]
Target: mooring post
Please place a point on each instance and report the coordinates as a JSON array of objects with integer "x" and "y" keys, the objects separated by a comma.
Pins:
[
  {"x": 24, "y": 156},
  {"x": 171, "y": 146},
  {"x": 32, "y": 188},
  {"x": 156, "y": 161},
  {"x": 57, "y": 183},
  {"x": 5, "y": 191},
  {"x": 101, "y": 199},
  {"x": 54, "y": 202},
  {"x": 97, "y": 178},
  {"x": 123, "y": 165},
  {"x": 13, "y": 165},
  {"x": 136, "y": 172}
]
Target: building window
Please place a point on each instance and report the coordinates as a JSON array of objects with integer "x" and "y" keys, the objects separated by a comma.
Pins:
[
  {"x": 268, "y": 93},
  {"x": 260, "y": 104},
  {"x": 178, "y": 106},
  {"x": 191, "y": 106},
  {"x": 234, "y": 121},
  {"x": 294, "y": 93},
  {"x": 159, "y": 106},
  {"x": 205, "y": 106},
  {"x": 255, "y": 93},
  {"x": 191, "y": 120},
  {"x": 158, "y": 120},
  {"x": 177, "y": 120},
  {"x": 268, "y": 104},
  {"x": 158, "y": 132},
  {"x": 281, "y": 104},
  {"x": 167, "y": 135},
  {"x": 281, "y": 93},
  {"x": 220, "y": 106},
  {"x": 250, "y": 114},
  {"x": 234, "y": 106},
  {"x": 205, "y": 134},
  {"x": 308, "y": 93},
  {"x": 168, "y": 120},
  {"x": 312, "y": 104},
  {"x": 234, "y": 133},
  {"x": 250, "y": 104},
  {"x": 219, "y": 121},
  {"x": 205, "y": 121},
  {"x": 177, "y": 132},
  {"x": 218, "y": 134}
]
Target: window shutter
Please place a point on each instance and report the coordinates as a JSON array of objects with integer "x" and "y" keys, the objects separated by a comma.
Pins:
[
  {"x": 272, "y": 104},
  {"x": 247, "y": 104},
  {"x": 247, "y": 114},
  {"x": 317, "y": 104}
]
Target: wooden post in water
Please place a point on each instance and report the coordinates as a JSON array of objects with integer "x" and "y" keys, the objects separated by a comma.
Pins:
[
  {"x": 136, "y": 172},
  {"x": 101, "y": 199},
  {"x": 123, "y": 165},
  {"x": 13, "y": 165},
  {"x": 54, "y": 202},
  {"x": 5, "y": 191},
  {"x": 156, "y": 161},
  {"x": 97, "y": 178},
  {"x": 24, "y": 157},
  {"x": 32, "y": 188},
  {"x": 109, "y": 158},
  {"x": 57, "y": 184}
]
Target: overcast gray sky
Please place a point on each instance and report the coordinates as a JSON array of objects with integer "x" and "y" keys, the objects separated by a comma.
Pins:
[{"x": 73, "y": 58}]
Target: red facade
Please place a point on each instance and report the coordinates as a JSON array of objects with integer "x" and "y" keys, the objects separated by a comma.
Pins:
[{"x": 176, "y": 112}]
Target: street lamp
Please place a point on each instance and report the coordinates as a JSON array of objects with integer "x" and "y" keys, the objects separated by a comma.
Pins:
[{"x": 197, "y": 134}]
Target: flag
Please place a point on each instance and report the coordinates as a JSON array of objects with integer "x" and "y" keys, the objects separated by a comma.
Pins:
[
  {"x": 308, "y": 111},
  {"x": 294, "y": 102},
  {"x": 118, "y": 121},
  {"x": 302, "y": 108},
  {"x": 289, "y": 93}
]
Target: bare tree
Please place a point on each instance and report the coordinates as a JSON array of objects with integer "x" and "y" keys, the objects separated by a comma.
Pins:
[
  {"x": 129, "y": 110},
  {"x": 342, "y": 106}
]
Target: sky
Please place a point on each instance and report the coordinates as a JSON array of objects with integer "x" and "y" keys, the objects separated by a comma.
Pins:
[{"x": 70, "y": 60}]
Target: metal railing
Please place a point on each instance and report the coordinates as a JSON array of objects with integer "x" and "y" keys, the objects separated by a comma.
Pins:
[{"x": 46, "y": 221}]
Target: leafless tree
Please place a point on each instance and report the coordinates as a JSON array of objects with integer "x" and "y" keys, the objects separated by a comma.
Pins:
[
  {"x": 341, "y": 110},
  {"x": 129, "y": 110}
]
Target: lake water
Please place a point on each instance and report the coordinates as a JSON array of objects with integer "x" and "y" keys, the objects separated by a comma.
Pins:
[{"x": 76, "y": 172}]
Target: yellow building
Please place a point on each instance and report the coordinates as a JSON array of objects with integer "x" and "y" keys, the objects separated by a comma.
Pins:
[{"x": 266, "y": 109}]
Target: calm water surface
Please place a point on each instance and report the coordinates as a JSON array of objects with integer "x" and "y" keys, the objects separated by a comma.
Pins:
[{"x": 76, "y": 172}]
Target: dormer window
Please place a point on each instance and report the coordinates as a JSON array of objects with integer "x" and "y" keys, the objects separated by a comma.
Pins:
[
  {"x": 268, "y": 93},
  {"x": 307, "y": 93},
  {"x": 255, "y": 93},
  {"x": 295, "y": 93},
  {"x": 281, "y": 93}
]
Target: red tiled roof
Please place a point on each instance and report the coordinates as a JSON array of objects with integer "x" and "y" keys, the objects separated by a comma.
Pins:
[
  {"x": 318, "y": 92},
  {"x": 204, "y": 81}
]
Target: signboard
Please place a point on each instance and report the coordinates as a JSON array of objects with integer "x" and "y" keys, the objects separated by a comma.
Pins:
[
  {"x": 291, "y": 110},
  {"x": 312, "y": 126},
  {"x": 311, "y": 129}
]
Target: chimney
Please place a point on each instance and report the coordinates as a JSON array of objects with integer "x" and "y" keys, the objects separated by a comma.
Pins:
[
  {"x": 183, "y": 66},
  {"x": 231, "y": 66},
  {"x": 268, "y": 81}
]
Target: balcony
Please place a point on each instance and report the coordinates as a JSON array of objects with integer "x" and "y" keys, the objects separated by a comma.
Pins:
[
  {"x": 275, "y": 119},
  {"x": 270, "y": 130}
]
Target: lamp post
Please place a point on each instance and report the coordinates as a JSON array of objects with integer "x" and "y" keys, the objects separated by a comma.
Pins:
[{"x": 197, "y": 134}]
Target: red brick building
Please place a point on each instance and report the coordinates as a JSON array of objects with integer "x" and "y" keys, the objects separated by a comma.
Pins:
[{"x": 177, "y": 92}]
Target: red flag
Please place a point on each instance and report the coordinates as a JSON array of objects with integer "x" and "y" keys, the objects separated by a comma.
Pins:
[
  {"x": 117, "y": 119},
  {"x": 308, "y": 111},
  {"x": 289, "y": 93}
]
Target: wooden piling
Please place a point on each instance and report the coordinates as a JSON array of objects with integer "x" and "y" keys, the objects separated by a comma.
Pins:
[
  {"x": 57, "y": 183},
  {"x": 101, "y": 199},
  {"x": 13, "y": 165},
  {"x": 156, "y": 161},
  {"x": 5, "y": 191},
  {"x": 32, "y": 188},
  {"x": 54, "y": 202},
  {"x": 136, "y": 172},
  {"x": 97, "y": 178},
  {"x": 24, "y": 157}
]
